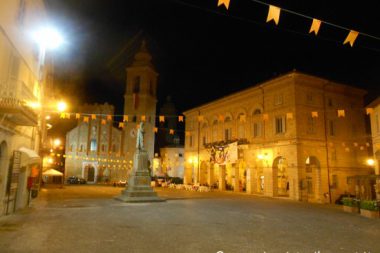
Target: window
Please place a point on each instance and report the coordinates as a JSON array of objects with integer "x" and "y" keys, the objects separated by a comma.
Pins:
[
  {"x": 280, "y": 125},
  {"x": 113, "y": 148},
  {"x": 310, "y": 125},
  {"x": 204, "y": 140},
  {"x": 309, "y": 98},
  {"x": 103, "y": 148},
  {"x": 331, "y": 127},
  {"x": 377, "y": 123},
  {"x": 151, "y": 91},
  {"x": 257, "y": 129},
  {"x": 227, "y": 134},
  {"x": 241, "y": 131},
  {"x": 257, "y": 112},
  {"x": 81, "y": 148},
  {"x": 93, "y": 145},
  {"x": 190, "y": 141},
  {"x": 278, "y": 99},
  {"x": 136, "y": 84},
  {"x": 134, "y": 118},
  {"x": 180, "y": 155},
  {"x": 329, "y": 102}
]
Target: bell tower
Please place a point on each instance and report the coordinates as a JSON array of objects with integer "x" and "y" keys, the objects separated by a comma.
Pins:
[{"x": 140, "y": 102}]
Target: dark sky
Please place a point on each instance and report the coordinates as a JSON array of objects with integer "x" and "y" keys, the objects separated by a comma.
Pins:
[{"x": 203, "y": 52}]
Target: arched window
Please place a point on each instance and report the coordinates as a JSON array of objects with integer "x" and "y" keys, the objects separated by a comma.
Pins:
[
  {"x": 256, "y": 123},
  {"x": 136, "y": 84},
  {"x": 241, "y": 125}
]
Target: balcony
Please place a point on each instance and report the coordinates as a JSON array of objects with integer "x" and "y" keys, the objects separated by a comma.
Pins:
[{"x": 13, "y": 108}]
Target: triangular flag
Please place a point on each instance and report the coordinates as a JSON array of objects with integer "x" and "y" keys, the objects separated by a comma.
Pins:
[
  {"x": 180, "y": 118},
  {"x": 265, "y": 116},
  {"x": 85, "y": 119},
  {"x": 77, "y": 115},
  {"x": 68, "y": 115},
  {"x": 121, "y": 124},
  {"x": 289, "y": 115},
  {"x": 109, "y": 117},
  {"x": 369, "y": 110},
  {"x": 93, "y": 116},
  {"x": 104, "y": 122},
  {"x": 143, "y": 118},
  {"x": 221, "y": 118},
  {"x": 274, "y": 14},
  {"x": 341, "y": 114},
  {"x": 314, "y": 114},
  {"x": 171, "y": 131},
  {"x": 63, "y": 115},
  {"x": 315, "y": 26},
  {"x": 125, "y": 118},
  {"x": 161, "y": 118},
  {"x": 187, "y": 133},
  {"x": 226, "y": 3},
  {"x": 351, "y": 37},
  {"x": 155, "y": 129},
  {"x": 200, "y": 118}
]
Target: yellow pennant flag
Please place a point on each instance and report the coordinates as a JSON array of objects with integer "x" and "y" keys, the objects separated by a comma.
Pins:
[
  {"x": 161, "y": 118},
  {"x": 125, "y": 118},
  {"x": 226, "y": 3},
  {"x": 155, "y": 129},
  {"x": 104, "y": 122},
  {"x": 200, "y": 118},
  {"x": 341, "y": 114},
  {"x": 274, "y": 14},
  {"x": 143, "y": 118},
  {"x": 85, "y": 119},
  {"x": 315, "y": 26},
  {"x": 351, "y": 37},
  {"x": 369, "y": 110},
  {"x": 93, "y": 116},
  {"x": 187, "y": 133},
  {"x": 265, "y": 116},
  {"x": 221, "y": 118},
  {"x": 63, "y": 115},
  {"x": 289, "y": 115},
  {"x": 77, "y": 115},
  {"x": 180, "y": 118},
  {"x": 314, "y": 114},
  {"x": 109, "y": 117},
  {"x": 171, "y": 131},
  {"x": 121, "y": 124}
]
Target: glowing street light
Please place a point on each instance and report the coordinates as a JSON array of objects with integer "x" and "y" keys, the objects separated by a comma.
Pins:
[
  {"x": 370, "y": 162},
  {"x": 57, "y": 142},
  {"x": 48, "y": 38},
  {"x": 61, "y": 106}
]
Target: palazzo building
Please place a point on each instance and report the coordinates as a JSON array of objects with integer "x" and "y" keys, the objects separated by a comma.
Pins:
[
  {"x": 21, "y": 79},
  {"x": 100, "y": 152},
  {"x": 296, "y": 136},
  {"x": 375, "y": 130}
]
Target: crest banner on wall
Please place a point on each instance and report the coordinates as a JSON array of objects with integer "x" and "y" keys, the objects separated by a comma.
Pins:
[{"x": 224, "y": 154}]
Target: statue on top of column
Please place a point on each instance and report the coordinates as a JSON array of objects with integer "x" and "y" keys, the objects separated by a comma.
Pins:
[{"x": 140, "y": 137}]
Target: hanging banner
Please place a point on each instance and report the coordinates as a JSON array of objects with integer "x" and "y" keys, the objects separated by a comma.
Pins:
[
  {"x": 274, "y": 14},
  {"x": 226, "y": 3},
  {"x": 351, "y": 37},
  {"x": 315, "y": 26},
  {"x": 224, "y": 154}
]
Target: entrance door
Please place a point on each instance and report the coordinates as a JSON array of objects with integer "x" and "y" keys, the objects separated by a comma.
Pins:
[{"x": 91, "y": 174}]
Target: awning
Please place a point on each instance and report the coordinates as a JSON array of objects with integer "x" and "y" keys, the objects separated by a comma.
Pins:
[
  {"x": 52, "y": 172},
  {"x": 32, "y": 156}
]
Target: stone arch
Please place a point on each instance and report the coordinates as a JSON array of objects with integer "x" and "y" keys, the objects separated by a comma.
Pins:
[
  {"x": 257, "y": 108},
  {"x": 240, "y": 111},
  {"x": 280, "y": 177},
  {"x": 228, "y": 117}
]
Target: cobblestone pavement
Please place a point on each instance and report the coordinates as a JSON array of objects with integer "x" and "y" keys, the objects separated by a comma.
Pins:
[{"x": 87, "y": 219}]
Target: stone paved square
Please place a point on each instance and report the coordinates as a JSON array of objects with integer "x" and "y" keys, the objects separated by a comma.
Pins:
[{"x": 88, "y": 219}]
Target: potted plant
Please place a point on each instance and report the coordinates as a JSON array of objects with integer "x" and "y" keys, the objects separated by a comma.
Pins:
[
  {"x": 369, "y": 208},
  {"x": 350, "y": 205}
]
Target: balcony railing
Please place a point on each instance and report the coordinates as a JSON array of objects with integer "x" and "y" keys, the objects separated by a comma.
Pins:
[{"x": 13, "y": 95}]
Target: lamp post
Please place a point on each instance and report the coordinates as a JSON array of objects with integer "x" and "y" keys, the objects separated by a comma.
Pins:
[{"x": 47, "y": 39}]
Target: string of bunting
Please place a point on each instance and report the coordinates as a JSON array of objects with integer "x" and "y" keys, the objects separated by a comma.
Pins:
[{"x": 274, "y": 13}]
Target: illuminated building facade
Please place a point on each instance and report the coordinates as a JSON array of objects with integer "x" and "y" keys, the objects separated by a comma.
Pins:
[
  {"x": 296, "y": 136},
  {"x": 20, "y": 85},
  {"x": 101, "y": 152}
]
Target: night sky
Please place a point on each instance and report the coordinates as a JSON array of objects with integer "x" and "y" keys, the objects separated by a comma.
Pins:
[{"x": 203, "y": 52}]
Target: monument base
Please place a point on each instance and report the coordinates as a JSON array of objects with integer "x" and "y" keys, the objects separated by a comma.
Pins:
[{"x": 139, "y": 189}]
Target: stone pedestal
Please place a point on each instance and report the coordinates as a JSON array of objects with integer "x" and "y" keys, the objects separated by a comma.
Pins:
[{"x": 139, "y": 189}]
